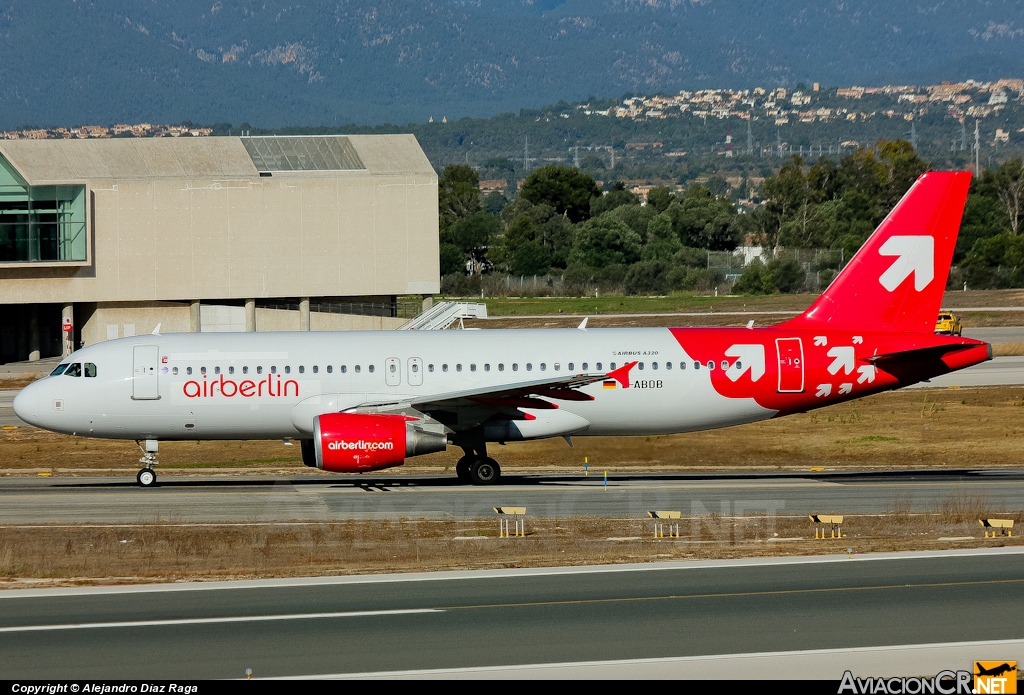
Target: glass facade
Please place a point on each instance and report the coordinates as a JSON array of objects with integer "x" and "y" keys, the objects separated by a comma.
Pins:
[
  {"x": 40, "y": 223},
  {"x": 303, "y": 153}
]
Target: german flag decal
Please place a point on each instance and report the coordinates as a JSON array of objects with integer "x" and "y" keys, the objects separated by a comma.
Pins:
[{"x": 611, "y": 384}]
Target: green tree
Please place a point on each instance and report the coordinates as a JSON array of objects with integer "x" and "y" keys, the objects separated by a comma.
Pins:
[
  {"x": 704, "y": 221},
  {"x": 568, "y": 190},
  {"x": 472, "y": 236},
  {"x": 660, "y": 198},
  {"x": 605, "y": 241},
  {"x": 458, "y": 194},
  {"x": 662, "y": 241},
  {"x": 614, "y": 198}
]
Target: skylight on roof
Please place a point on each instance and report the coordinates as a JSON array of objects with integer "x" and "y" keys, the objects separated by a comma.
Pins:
[{"x": 303, "y": 153}]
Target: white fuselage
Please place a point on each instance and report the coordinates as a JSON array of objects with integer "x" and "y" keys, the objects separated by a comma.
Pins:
[{"x": 271, "y": 385}]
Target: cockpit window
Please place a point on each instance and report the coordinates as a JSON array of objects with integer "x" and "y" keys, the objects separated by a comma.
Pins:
[
  {"x": 59, "y": 369},
  {"x": 90, "y": 369},
  {"x": 74, "y": 369}
]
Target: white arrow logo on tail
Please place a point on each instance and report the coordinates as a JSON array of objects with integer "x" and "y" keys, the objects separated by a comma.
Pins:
[
  {"x": 823, "y": 390},
  {"x": 858, "y": 340},
  {"x": 843, "y": 359},
  {"x": 916, "y": 254},
  {"x": 867, "y": 373},
  {"x": 820, "y": 340},
  {"x": 747, "y": 357},
  {"x": 845, "y": 388}
]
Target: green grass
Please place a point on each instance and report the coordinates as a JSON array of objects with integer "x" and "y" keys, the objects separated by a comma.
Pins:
[{"x": 681, "y": 302}]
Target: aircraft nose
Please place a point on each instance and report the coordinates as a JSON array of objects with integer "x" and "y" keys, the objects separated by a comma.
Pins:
[{"x": 26, "y": 404}]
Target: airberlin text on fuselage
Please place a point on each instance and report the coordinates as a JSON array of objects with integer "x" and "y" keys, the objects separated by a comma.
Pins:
[
  {"x": 361, "y": 444},
  {"x": 270, "y": 386}
]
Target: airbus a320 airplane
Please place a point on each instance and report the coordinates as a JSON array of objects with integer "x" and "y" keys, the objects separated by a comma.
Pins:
[{"x": 362, "y": 401}]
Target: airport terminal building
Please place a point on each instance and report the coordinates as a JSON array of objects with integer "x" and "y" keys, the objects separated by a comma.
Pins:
[{"x": 109, "y": 238}]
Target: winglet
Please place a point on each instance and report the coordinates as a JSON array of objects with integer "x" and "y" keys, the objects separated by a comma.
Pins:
[
  {"x": 156, "y": 331},
  {"x": 621, "y": 374},
  {"x": 583, "y": 325}
]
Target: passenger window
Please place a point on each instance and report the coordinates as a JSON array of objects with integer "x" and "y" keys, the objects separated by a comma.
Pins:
[
  {"x": 231, "y": 370},
  {"x": 444, "y": 367},
  {"x": 668, "y": 365},
  {"x": 472, "y": 367},
  {"x": 344, "y": 369},
  {"x": 640, "y": 365},
  {"x": 515, "y": 367},
  {"x": 302, "y": 369},
  {"x": 739, "y": 365},
  {"x": 430, "y": 368},
  {"x": 392, "y": 368},
  {"x": 487, "y": 367},
  {"x": 216, "y": 370},
  {"x": 725, "y": 364},
  {"x": 174, "y": 371},
  {"x": 711, "y": 365},
  {"x": 358, "y": 369},
  {"x": 612, "y": 366},
  {"x": 74, "y": 370},
  {"x": 245, "y": 369},
  {"x": 202, "y": 370},
  {"x": 316, "y": 369},
  {"x": 188, "y": 370},
  {"x": 696, "y": 365},
  {"x": 58, "y": 370},
  {"x": 273, "y": 369},
  {"x": 571, "y": 366},
  {"x": 371, "y": 368},
  {"x": 557, "y": 366},
  {"x": 415, "y": 368},
  {"x": 287, "y": 369},
  {"x": 259, "y": 369},
  {"x": 529, "y": 367},
  {"x": 682, "y": 365},
  {"x": 585, "y": 366},
  {"x": 543, "y": 367},
  {"x": 654, "y": 365},
  {"x": 458, "y": 367},
  {"x": 330, "y": 369},
  {"x": 90, "y": 369},
  {"x": 598, "y": 366},
  {"x": 501, "y": 366}
]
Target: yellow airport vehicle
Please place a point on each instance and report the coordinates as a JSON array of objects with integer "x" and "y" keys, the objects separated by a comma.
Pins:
[{"x": 948, "y": 324}]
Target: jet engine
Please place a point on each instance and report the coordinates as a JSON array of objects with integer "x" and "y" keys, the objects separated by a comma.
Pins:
[{"x": 354, "y": 442}]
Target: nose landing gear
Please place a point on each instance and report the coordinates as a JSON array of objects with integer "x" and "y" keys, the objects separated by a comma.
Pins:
[{"x": 147, "y": 476}]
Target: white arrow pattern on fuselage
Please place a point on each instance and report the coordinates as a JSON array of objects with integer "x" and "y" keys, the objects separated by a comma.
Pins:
[
  {"x": 916, "y": 254},
  {"x": 823, "y": 390},
  {"x": 843, "y": 358},
  {"x": 749, "y": 357},
  {"x": 866, "y": 372}
]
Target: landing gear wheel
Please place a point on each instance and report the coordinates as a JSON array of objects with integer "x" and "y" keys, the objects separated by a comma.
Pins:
[
  {"x": 146, "y": 477},
  {"x": 485, "y": 472},
  {"x": 462, "y": 468}
]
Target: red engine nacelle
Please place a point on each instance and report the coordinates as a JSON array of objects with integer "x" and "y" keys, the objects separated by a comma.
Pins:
[{"x": 353, "y": 442}]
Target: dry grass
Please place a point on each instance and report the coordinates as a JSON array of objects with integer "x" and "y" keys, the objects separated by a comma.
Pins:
[
  {"x": 146, "y": 552},
  {"x": 935, "y": 428},
  {"x": 1007, "y": 349}
]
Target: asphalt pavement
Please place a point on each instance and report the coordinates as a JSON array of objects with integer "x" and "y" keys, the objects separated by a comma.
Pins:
[
  {"x": 632, "y": 621},
  {"x": 240, "y": 499}
]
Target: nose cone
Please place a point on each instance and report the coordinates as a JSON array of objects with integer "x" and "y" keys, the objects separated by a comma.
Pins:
[{"x": 26, "y": 404}]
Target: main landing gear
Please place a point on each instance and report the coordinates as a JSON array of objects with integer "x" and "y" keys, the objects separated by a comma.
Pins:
[
  {"x": 477, "y": 468},
  {"x": 147, "y": 476}
]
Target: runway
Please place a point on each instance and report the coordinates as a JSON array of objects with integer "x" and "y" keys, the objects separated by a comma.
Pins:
[
  {"x": 773, "y": 618},
  {"x": 276, "y": 499}
]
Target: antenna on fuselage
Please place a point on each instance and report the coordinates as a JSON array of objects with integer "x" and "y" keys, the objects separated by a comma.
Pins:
[
  {"x": 156, "y": 331},
  {"x": 583, "y": 324}
]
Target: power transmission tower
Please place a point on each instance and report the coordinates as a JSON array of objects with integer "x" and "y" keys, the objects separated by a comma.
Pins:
[
  {"x": 576, "y": 156},
  {"x": 977, "y": 150},
  {"x": 963, "y": 137},
  {"x": 913, "y": 136},
  {"x": 526, "y": 153},
  {"x": 750, "y": 140}
]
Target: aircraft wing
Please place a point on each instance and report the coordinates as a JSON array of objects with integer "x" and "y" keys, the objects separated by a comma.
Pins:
[{"x": 524, "y": 394}]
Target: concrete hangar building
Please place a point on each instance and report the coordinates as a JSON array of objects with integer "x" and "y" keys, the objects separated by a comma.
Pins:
[{"x": 101, "y": 239}]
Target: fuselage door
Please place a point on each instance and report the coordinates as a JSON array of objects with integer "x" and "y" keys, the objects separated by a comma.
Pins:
[
  {"x": 145, "y": 385},
  {"x": 791, "y": 364},
  {"x": 415, "y": 371},
  {"x": 392, "y": 371}
]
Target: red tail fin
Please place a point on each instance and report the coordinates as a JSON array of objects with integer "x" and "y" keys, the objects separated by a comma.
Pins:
[{"x": 896, "y": 280}]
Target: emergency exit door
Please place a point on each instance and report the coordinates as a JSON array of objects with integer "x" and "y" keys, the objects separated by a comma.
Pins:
[
  {"x": 392, "y": 371},
  {"x": 791, "y": 364},
  {"x": 145, "y": 384}
]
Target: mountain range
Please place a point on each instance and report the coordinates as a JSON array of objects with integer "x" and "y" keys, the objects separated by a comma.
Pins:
[{"x": 331, "y": 62}]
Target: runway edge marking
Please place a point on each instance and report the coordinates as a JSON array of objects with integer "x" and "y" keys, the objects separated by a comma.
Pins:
[{"x": 290, "y": 582}]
